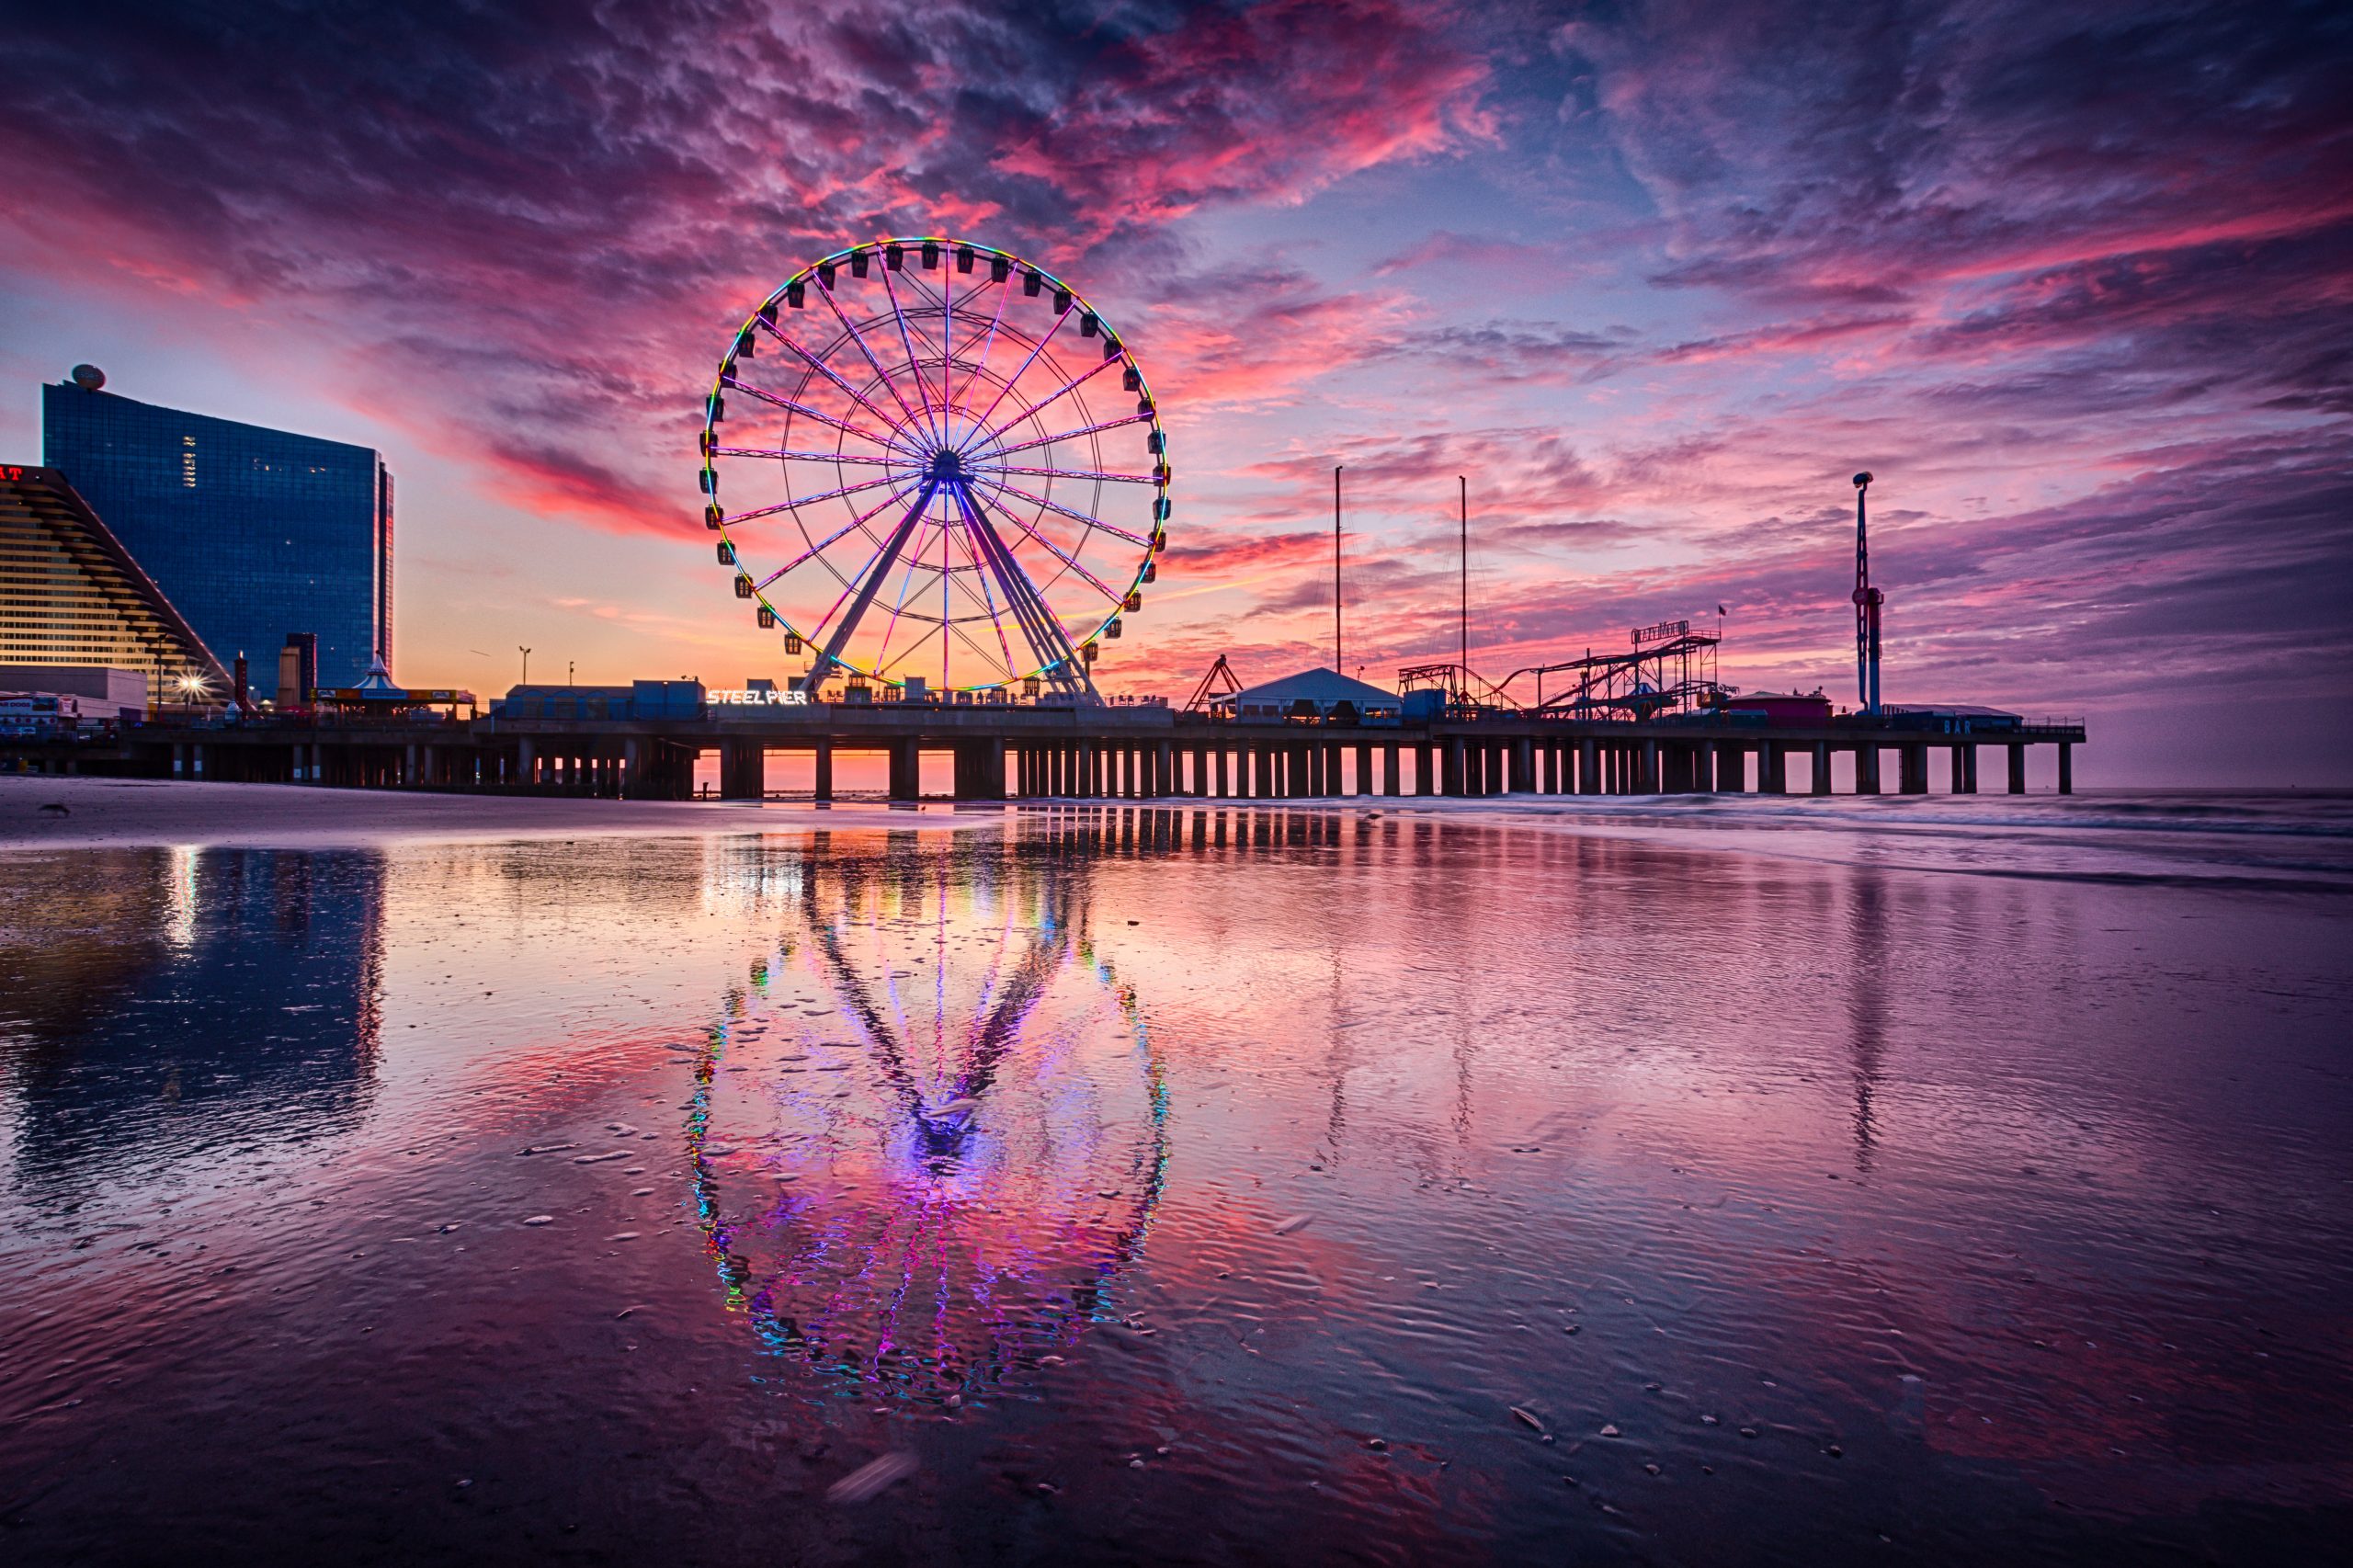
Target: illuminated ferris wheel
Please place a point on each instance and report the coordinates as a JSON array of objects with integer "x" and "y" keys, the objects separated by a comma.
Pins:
[{"x": 945, "y": 466}]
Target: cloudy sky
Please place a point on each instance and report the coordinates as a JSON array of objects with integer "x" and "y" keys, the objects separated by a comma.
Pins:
[{"x": 2075, "y": 280}]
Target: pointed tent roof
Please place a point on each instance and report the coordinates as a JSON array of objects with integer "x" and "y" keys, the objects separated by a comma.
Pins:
[
  {"x": 1319, "y": 686},
  {"x": 377, "y": 685}
]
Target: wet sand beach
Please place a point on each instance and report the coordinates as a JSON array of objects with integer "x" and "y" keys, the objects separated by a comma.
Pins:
[
  {"x": 138, "y": 811},
  {"x": 1727, "y": 1183}
]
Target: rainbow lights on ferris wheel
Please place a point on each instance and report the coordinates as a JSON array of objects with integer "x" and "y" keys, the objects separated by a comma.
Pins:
[{"x": 927, "y": 458}]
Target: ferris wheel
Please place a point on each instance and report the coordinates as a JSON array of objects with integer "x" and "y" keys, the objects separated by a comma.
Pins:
[{"x": 929, "y": 461}]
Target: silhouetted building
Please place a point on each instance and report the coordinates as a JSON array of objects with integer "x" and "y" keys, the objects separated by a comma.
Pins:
[
  {"x": 72, "y": 597},
  {"x": 253, "y": 533},
  {"x": 99, "y": 691},
  {"x": 298, "y": 668}
]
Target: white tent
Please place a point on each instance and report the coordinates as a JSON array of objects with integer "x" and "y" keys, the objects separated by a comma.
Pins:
[{"x": 1323, "y": 688}]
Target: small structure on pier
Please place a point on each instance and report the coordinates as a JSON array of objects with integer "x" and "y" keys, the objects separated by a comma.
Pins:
[
  {"x": 1318, "y": 693},
  {"x": 1669, "y": 669},
  {"x": 1216, "y": 686},
  {"x": 376, "y": 694},
  {"x": 1781, "y": 709}
]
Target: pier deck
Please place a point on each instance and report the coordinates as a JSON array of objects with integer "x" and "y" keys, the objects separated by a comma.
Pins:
[{"x": 1028, "y": 753}]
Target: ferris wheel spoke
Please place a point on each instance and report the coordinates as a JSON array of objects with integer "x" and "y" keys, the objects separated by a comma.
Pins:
[
  {"x": 979, "y": 653},
  {"x": 833, "y": 538},
  {"x": 946, "y": 353},
  {"x": 789, "y": 456},
  {"x": 898, "y": 607},
  {"x": 988, "y": 603},
  {"x": 980, "y": 367},
  {"x": 911, "y": 649},
  {"x": 1065, "y": 473},
  {"x": 1004, "y": 451},
  {"x": 866, "y": 350},
  {"x": 914, "y": 365},
  {"x": 792, "y": 406},
  {"x": 1068, "y": 387},
  {"x": 988, "y": 600},
  {"x": 835, "y": 376},
  {"x": 882, "y": 662},
  {"x": 1038, "y": 624},
  {"x": 868, "y": 580},
  {"x": 1068, "y": 559},
  {"x": 754, "y": 514},
  {"x": 811, "y": 500},
  {"x": 1076, "y": 517},
  {"x": 980, "y": 426}
]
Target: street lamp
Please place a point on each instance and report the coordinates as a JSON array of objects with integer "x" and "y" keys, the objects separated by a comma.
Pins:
[{"x": 527, "y": 663}]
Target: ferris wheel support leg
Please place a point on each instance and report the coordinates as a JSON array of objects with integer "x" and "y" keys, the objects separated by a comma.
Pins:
[
  {"x": 1044, "y": 633},
  {"x": 830, "y": 659}
]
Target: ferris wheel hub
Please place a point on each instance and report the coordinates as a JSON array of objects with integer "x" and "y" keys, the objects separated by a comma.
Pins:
[{"x": 947, "y": 463}]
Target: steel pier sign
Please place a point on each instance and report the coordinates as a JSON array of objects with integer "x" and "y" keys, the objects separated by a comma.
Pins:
[{"x": 758, "y": 698}]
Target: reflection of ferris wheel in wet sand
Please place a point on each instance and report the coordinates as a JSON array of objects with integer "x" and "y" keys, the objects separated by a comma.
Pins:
[
  {"x": 953, "y": 469},
  {"x": 929, "y": 1139}
]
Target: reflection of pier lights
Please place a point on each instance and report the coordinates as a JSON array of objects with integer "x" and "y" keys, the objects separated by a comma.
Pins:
[{"x": 1867, "y": 1005}]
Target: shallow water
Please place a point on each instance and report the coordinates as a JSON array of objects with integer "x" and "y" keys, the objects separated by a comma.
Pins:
[{"x": 1943, "y": 1180}]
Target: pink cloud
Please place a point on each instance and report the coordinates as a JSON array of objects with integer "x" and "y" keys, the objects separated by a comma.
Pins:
[{"x": 1266, "y": 102}]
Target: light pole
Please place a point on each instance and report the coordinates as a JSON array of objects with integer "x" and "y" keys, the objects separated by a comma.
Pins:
[
  {"x": 1465, "y": 485},
  {"x": 527, "y": 664}
]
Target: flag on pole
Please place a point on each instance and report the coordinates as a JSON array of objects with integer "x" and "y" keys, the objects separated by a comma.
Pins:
[{"x": 1720, "y": 609}]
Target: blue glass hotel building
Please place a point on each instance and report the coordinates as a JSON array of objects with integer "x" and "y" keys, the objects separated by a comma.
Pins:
[{"x": 251, "y": 533}]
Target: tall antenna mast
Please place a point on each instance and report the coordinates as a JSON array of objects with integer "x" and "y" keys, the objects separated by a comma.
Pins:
[
  {"x": 1336, "y": 669},
  {"x": 1867, "y": 602},
  {"x": 1465, "y": 483}
]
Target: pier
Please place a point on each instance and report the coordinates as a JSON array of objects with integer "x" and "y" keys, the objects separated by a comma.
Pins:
[{"x": 1015, "y": 752}]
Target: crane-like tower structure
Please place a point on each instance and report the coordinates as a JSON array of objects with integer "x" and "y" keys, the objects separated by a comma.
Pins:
[{"x": 1867, "y": 602}]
